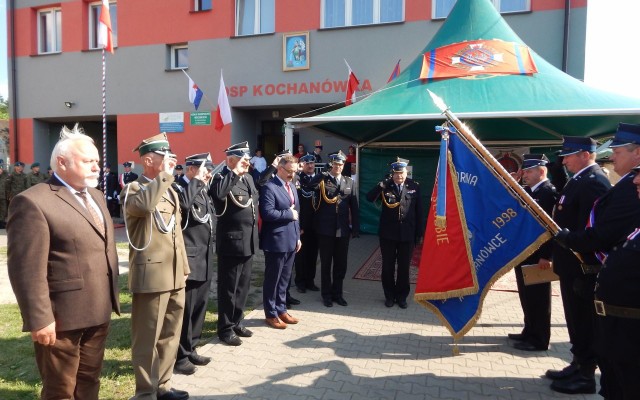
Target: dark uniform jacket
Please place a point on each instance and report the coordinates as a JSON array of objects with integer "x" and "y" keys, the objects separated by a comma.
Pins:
[
  {"x": 404, "y": 222},
  {"x": 15, "y": 184},
  {"x": 237, "y": 229},
  {"x": 127, "y": 177},
  {"x": 546, "y": 196},
  {"x": 343, "y": 215},
  {"x": 199, "y": 227},
  {"x": 307, "y": 198},
  {"x": 572, "y": 212}
]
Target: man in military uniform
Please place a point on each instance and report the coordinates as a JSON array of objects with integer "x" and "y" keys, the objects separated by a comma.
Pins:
[
  {"x": 235, "y": 198},
  {"x": 613, "y": 217},
  {"x": 112, "y": 190},
  {"x": 307, "y": 257},
  {"x": 179, "y": 172},
  {"x": 400, "y": 229},
  {"x": 617, "y": 306},
  {"x": 127, "y": 176},
  {"x": 35, "y": 176},
  {"x": 336, "y": 220},
  {"x": 16, "y": 181},
  {"x": 3, "y": 195},
  {"x": 158, "y": 269},
  {"x": 536, "y": 299},
  {"x": 199, "y": 238},
  {"x": 572, "y": 212}
]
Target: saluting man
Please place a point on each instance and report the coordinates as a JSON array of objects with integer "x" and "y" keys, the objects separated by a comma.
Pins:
[
  {"x": 400, "y": 229},
  {"x": 127, "y": 176}
]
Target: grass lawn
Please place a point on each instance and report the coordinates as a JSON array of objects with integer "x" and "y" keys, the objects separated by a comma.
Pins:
[{"x": 19, "y": 377}]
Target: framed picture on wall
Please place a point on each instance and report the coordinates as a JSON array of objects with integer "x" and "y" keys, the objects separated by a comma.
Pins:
[{"x": 295, "y": 51}]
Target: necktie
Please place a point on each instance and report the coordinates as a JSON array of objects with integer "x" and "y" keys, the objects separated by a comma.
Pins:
[
  {"x": 92, "y": 211},
  {"x": 290, "y": 192}
]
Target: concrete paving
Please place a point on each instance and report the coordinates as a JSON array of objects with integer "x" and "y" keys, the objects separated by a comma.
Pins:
[{"x": 368, "y": 351}]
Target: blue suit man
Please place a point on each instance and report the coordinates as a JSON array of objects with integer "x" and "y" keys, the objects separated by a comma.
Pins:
[{"x": 280, "y": 240}]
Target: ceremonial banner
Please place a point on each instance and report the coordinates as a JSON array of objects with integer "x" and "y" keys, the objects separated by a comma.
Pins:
[
  {"x": 484, "y": 232},
  {"x": 477, "y": 57}
]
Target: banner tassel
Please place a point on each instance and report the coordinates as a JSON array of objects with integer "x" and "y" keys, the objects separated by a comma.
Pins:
[
  {"x": 441, "y": 221},
  {"x": 455, "y": 350}
]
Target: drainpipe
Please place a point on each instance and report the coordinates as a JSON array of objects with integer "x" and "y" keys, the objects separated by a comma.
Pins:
[
  {"x": 13, "y": 101},
  {"x": 565, "y": 40}
]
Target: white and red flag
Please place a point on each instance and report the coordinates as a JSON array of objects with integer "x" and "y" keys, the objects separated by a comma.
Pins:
[
  {"x": 223, "y": 113},
  {"x": 105, "y": 36},
  {"x": 352, "y": 86}
]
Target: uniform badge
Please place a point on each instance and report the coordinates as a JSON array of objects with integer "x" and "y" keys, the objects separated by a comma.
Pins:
[
  {"x": 560, "y": 207},
  {"x": 239, "y": 198}
]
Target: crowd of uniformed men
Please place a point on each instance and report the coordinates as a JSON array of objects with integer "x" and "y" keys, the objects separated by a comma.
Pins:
[{"x": 178, "y": 219}]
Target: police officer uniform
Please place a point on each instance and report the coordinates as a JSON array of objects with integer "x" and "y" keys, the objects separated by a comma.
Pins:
[
  {"x": 236, "y": 202},
  {"x": 536, "y": 299},
  {"x": 179, "y": 172},
  {"x": 112, "y": 190},
  {"x": 400, "y": 228},
  {"x": 199, "y": 231},
  {"x": 307, "y": 257},
  {"x": 336, "y": 219},
  {"x": 127, "y": 177}
]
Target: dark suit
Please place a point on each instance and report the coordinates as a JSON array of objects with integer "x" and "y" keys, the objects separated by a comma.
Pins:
[
  {"x": 199, "y": 232},
  {"x": 336, "y": 219},
  {"x": 64, "y": 269},
  {"x": 536, "y": 299},
  {"x": 236, "y": 243},
  {"x": 307, "y": 257},
  {"x": 400, "y": 228},
  {"x": 112, "y": 191},
  {"x": 279, "y": 235},
  {"x": 572, "y": 212}
]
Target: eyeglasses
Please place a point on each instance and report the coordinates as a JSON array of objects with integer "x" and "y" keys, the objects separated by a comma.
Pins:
[{"x": 291, "y": 171}]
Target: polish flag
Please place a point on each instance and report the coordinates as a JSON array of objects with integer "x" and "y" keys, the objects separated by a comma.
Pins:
[
  {"x": 352, "y": 86},
  {"x": 105, "y": 37},
  {"x": 223, "y": 113},
  {"x": 195, "y": 94}
]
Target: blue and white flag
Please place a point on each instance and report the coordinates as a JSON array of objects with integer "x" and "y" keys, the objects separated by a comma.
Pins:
[{"x": 195, "y": 94}]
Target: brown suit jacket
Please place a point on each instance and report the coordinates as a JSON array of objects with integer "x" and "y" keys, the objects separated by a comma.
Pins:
[
  {"x": 162, "y": 265},
  {"x": 61, "y": 266}
]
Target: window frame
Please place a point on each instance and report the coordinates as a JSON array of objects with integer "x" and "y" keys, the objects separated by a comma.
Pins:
[
  {"x": 256, "y": 19},
  {"x": 56, "y": 40},
  {"x": 93, "y": 25},
  {"x": 198, "y": 7},
  {"x": 173, "y": 58},
  {"x": 348, "y": 15},
  {"x": 496, "y": 3}
]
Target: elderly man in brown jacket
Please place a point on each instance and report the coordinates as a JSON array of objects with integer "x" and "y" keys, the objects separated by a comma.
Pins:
[
  {"x": 66, "y": 280},
  {"x": 158, "y": 269}
]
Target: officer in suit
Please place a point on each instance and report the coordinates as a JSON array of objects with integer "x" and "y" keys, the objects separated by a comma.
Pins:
[
  {"x": 158, "y": 269},
  {"x": 35, "y": 176},
  {"x": 306, "y": 258},
  {"x": 127, "y": 176},
  {"x": 617, "y": 306},
  {"x": 199, "y": 232},
  {"x": 336, "y": 220},
  {"x": 17, "y": 181},
  {"x": 613, "y": 217},
  {"x": 236, "y": 201},
  {"x": 400, "y": 229},
  {"x": 112, "y": 190},
  {"x": 536, "y": 299},
  {"x": 279, "y": 239},
  {"x": 572, "y": 212},
  {"x": 63, "y": 268}
]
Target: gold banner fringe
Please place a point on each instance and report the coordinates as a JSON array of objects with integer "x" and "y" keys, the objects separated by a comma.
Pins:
[{"x": 441, "y": 222}]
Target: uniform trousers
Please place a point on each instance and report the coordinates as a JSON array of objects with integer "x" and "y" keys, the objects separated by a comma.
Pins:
[
  {"x": 577, "y": 300},
  {"x": 70, "y": 369},
  {"x": 156, "y": 321},
  {"x": 195, "y": 308},
  {"x": 277, "y": 275},
  {"x": 536, "y": 307},
  {"x": 333, "y": 251},
  {"x": 306, "y": 260},
  {"x": 234, "y": 279},
  {"x": 396, "y": 289}
]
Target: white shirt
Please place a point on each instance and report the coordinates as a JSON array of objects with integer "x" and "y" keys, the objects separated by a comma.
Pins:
[{"x": 259, "y": 163}]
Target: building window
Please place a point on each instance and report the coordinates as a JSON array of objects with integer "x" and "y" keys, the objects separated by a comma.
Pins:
[
  {"x": 201, "y": 5},
  {"x": 337, "y": 13},
  {"x": 179, "y": 56},
  {"x": 50, "y": 31},
  {"x": 442, "y": 8},
  {"x": 255, "y": 16},
  {"x": 94, "y": 18}
]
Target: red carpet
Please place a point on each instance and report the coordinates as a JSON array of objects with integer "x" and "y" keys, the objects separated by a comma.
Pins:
[{"x": 371, "y": 270}]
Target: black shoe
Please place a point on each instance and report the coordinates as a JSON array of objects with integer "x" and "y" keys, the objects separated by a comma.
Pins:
[
  {"x": 388, "y": 303},
  {"x": 232, "y": 340},
  {"x": 184, "y": 367},
  {"x": 517, "y": 337},
  {"x": 242, "y": 331},
  {"x": 301, "y": 289},
  {"x": 575, "y": 384},
  {"x": 566, "y": 372},
  {"x": 292, "y": 301},
  {"x": 197, "y": 359},
  {"x": 402, "y": 304},
  {"x": 327, "y": 303},
  {"x": 341, "y": 301},
  {"x": 174, "y": 394},
  {"x": 526, "y": 346},
  {"x": 313, "y": 288}
]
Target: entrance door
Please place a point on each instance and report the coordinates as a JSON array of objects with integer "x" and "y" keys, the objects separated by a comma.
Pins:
[{"x": 272, "y": 139}]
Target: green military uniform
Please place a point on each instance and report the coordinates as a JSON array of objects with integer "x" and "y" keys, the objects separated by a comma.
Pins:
[
  {"x": 35, "y": 177},
  {"x": 16, "y": 182}
]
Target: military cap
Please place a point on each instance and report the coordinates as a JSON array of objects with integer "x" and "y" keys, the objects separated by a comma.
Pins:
[
  {"x": 35, "y": 164},
  {"x": 126, "y": 164},
  {"x": 179, "y": 167},
  {"x": 337, "y": 158},
  {"x": 626, "y": 134},
  {"x": 107, "y": 165},
  {"x": 158, "y": 144},
  {"x": 575, "y": 144},
  {"x": 198, "y": 159},
  {"x": 534, "y": 160},
  {"x": 18, "y": 164},
  {"x": 308, "y": 158},
  {"x": 285, "y": 152},
  {"x": 400, "y": 165},
  {"x": 238, "y": 150}
]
